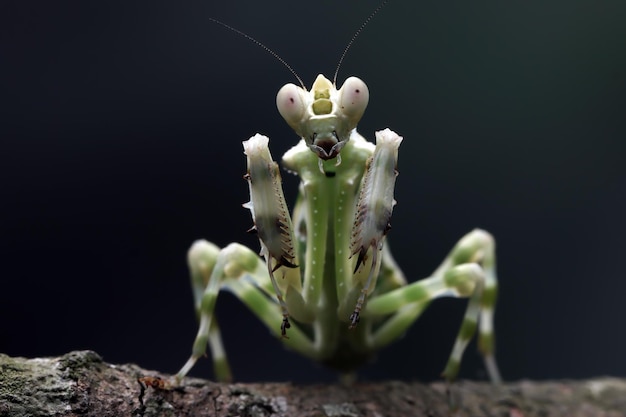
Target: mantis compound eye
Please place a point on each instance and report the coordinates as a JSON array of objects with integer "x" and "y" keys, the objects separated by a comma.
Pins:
[
  {"x": 353, "y": 99},
  {"x": 291, "y": 105}
]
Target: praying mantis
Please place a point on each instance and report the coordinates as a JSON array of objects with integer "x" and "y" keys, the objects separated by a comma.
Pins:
[{"x": 325, "y": 283}]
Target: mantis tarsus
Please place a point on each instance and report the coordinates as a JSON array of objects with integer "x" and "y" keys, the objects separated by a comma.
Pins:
[{"x": 327, "y": 284}]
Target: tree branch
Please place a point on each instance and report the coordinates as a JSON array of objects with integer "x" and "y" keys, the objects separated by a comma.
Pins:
[{"x": 82, "y": 384}]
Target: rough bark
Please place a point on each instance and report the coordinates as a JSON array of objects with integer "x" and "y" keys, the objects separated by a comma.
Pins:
[{"x": 82, "y": 384}]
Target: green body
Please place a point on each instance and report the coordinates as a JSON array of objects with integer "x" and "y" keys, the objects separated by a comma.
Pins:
[{"x": 325, "y": 268}]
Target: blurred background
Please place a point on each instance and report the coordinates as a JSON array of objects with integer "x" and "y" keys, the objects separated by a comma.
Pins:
[{"x": 120, "y": 144}]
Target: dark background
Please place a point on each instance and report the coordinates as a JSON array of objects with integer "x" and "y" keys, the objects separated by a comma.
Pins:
[{"x": 120, "y": 144}]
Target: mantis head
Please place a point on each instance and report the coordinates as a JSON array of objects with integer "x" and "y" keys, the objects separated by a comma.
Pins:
[{"x": 324, "y": 117}]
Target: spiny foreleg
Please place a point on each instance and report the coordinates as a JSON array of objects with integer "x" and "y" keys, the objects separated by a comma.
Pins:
[
  {"x": 373, "y": 212},
  {"x": 270, "y": 215}
]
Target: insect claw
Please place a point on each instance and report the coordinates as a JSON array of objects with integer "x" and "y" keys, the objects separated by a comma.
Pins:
[
  {"x": 283, "y": 262},
  {"x": 253, "y": 230},
  {"x": 354, "y": 319},
  {"x": 288, "y": 264},
  {"x": 360, "y": 259},
  {"x": 284, "y": 326}
]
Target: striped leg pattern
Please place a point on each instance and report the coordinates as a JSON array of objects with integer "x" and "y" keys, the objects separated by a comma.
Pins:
[
  {"x": 467, "y": 272},
  {"x": 239, "y": 270}
]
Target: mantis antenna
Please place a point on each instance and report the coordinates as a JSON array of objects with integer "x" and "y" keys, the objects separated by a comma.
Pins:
[
  {"x": 282, "y": 61},
  {"x": 356, "y": 35},
  {"x": 262, "y": 45}
]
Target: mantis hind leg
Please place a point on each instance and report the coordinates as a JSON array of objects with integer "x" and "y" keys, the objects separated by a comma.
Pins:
[
  {"x": 239, "y": 270},
  {"x": 467, "y": 272}
]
